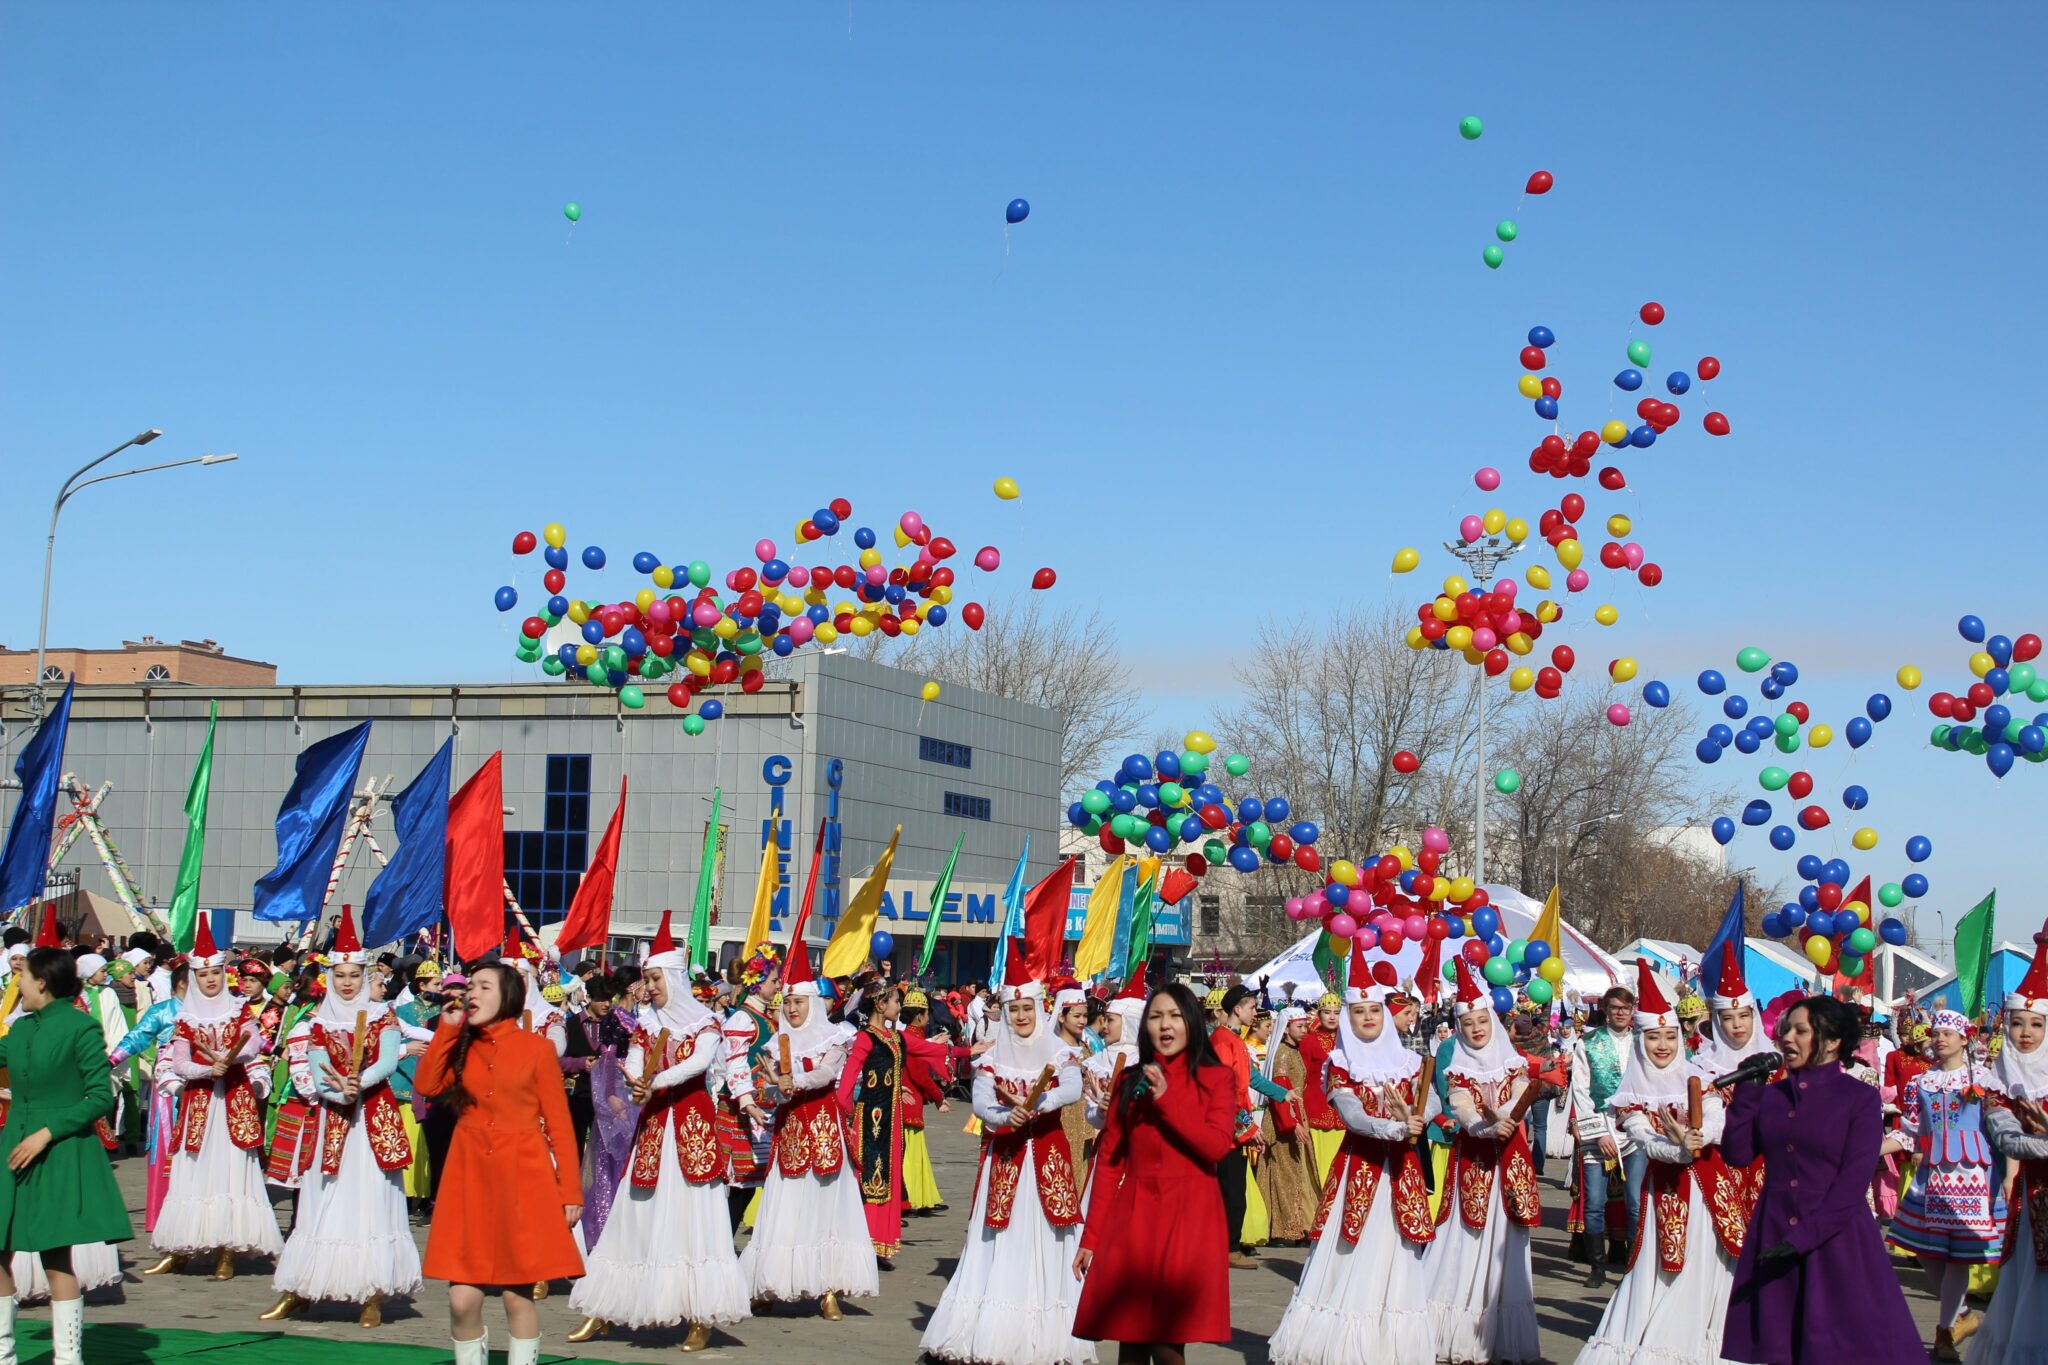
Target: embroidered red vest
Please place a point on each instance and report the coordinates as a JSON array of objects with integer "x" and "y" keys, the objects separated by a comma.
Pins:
[
  {"x": 809, "y": 1135},
  {"x": 1044, "y": 1141},
  {"x": 1666, "y": 1206},
  {"x": 1475, "y": 1160},
  {"x": 377, "y": 1106},
  {"x": 688, "y": 1106},
  {"x": 244, "y": 1114},
  {"x": 1362, "y": 1162}
]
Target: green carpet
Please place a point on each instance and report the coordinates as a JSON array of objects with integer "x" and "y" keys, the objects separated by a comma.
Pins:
[{"x": 114, "y": 1344}]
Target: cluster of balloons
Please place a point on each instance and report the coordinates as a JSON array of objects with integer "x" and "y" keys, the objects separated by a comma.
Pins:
[
  {"x": 1835, "y": 925},
  {"x": 1506, "y": 230},
  {"x": 2005, "y": 671},
  {"x": 1490, "y": 629},
  {"x": 681, "y": 626},
  {"x": 1171, "y": 799},
  {"x": 1789, "y": 730}
]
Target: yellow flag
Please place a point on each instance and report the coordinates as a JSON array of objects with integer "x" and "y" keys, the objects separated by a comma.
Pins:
[
  {"x": 849, "y": 946},
  {"x": 1546, "y": 925},
  {"x": 764, "y": 901},
  {"x": 1098, "y": 931}
]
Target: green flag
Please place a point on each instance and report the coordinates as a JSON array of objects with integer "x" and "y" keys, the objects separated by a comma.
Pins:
[
  {"x": 1973, "y": 953},
  {"x": 935, "y": 909},
  {"x": 1332, "y": 956},
  {"x": 1141, "y": 925},
  {"x": 707, "y": 869},
  {"x": 184, "y": 914}
]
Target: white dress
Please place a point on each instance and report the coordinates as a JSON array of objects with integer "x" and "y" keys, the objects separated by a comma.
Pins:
[
  {"x": 665, "y": 1256},
  {"x": 1481, "y": 1289},
  {"x": 1011, "y": 1298},
  {"x": 811, "y": 1235},
  {"x": 1655, "y": 1317},
  {"x": 1360, "y": 1302},
  {"x": 352, "y": 1241},
  {"x": 216, "y": 1198},
  {"x": 96, "y": 1264},
  {"x": 2015, "y": 1327}
]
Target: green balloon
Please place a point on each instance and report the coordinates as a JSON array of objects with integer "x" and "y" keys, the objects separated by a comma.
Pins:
[
  {"x": 2038, "y": 691},
  {"x": 1788, "y": 744},
  {"x": 700, "y": 573},
  {"x": 1516, "y": 948},
  {"x": 596, "y": 676},
  {"x": 1093, "y": 827},
  {"x": 553, "y": 666},
  {"x": 1507, "y": 781},
  {"x": 1890, "y": 895},
  {"x": 1862, "y": 940},
  {"x": 613, "y": 657},
  {"x": 1258, "y": 834},
  {"x": 1539, "y": 991},
  {"x": 1120, "y": 826},
  {"x": 1773, "y": 779},
  {"x": 553, "y": 620},
  {"x": 1095, "y": 802},
  {"x": 1193, "y": 764},
  {"x": 746, "y": 642},
  {"x": 1940, "y": 735},
  {"x": 1451, "y": 970},
  {"x": 1237, "y": 765},
  {"x": 1852, "y": 964},
  {"x": 1505, "y": 229},
  {"x": 1498, "y": 972},
  {"x": 703, "y": 639},
  {"x": 1787, "y": 724},
  {"x": 1639, "y": 352},
  {"x": 2022, "y": 677},
  {"x": 1172, "y": 795},
  {"x": 632, "y": 698},
  {"x": 572, "y": 211},
  {"x": 1751, "y": 659},
  {"x": 1493, "y": 256},
  {"x": 693, "y": 725},
  {"x": 1215, "y": 852},
  {"x": 1469, "y": 127}
]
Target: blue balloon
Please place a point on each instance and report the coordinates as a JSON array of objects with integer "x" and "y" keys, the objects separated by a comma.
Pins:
[
  {"x": 1017, "y": 212},
  {"x": 1250, "y": 809},
  {"x": 506, "y": 597},
  {"x": 1454, "y": 927},
  {"x": 1712, "y": 683},
  {"x": 1855, "y": 798},
  {"x": 1192, "y": 828},
  {"x": 556, "y": 556},
  {"x": 566, "y": 653},
  {"x": 1244, "y": 859},
  {"x": 774, "y": 571},
  {"x": 1782, "y": 837},
  {"x": 1757, "y": 812},
  {"x": 1148, "y": 795},
  {"x": 1809, "y": 898},
  {"x": 1720, "y": 734},
  {"x": 1891, "y": 930},
  {"x": 645, "y": 562},
  {"x": 1631, "y": 380},
  {"x": 1858, "y": 732},
  {"x": 1810, "y": 866},
  {"x": 1773, "y": 925},
  {"x": 882, "y": 944},
  {"x": 1304, "y": 832},
  {"x": 1643, "y": 437},
  {"x": 1496, "y": 943},
  {"x": 1343, "y": 898},
  {"x": 1166, "y": 763},
  {"x": 1914, "y": 884},
  {"x": 593, "y": 632},
  {"x": 2000, "y": 650},
  {"x": 1760, "y": 726},
  {"x": 1919, "y": 848},
  {"x": 593, "y": 557},
  {"x": 1878, "y": 707},
  {"x": 1999, "y": 758},
  {"x": 1278, "y": 809},
  {"x": 558, "y": 606},
  {"x": 1539, "y": 335},
  {"x": 1998, "y": 680},
  {"x": 2033, "y": 739},
  {"x": 1546, "y": 408},
  {"x": 1077, "y": 814},
  {"x": 1821, "y": 922},
  {"x": 936, "y": 615},
  {"x": 1158, "y": 840},
  {"x": 1971, "y": 628},
  {"x": 825, "y": 521},
  {"x": 712, "y": 709},
  {"x": 1747, "y": 742},
  {"x": 1139, "y": 766},
  {"x": 1706, "y": 751},
  {"x": 1486, "y": 921},
  {"x": 864, "y": 538},
  {"x": 1785, "y": 672},
  {"x": 1736, "y": 706},
  {"x": 1502, "y": 999},
  {"x": 1995, "y": 717},
  {"x": 634, "y": 643},
  {"x": 1123, "y": 800},
  {"x": 1656, "y": 694},
  {"x": 1208, "y": 794},
  {"x": 1771, "y": 688},
  {"x": 1536, "y": 952},
  {"x": 1837, "y": 871},
  {"x": 1724, "y": 830},
  {"x": 1678, "y": 381}
]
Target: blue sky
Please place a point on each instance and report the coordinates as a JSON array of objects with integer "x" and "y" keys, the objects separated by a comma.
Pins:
[{"x": 1242, "y": 350}]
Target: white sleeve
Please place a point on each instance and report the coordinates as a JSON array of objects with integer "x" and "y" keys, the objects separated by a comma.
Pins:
[
  {"x": 1064, "y": 1090},
  {"x": 696, "y": 1064},
  {"x": 822, "y": 1071},
  {"x": 1351, "y": 1109},
  {"x": 987, "y": 1107}
]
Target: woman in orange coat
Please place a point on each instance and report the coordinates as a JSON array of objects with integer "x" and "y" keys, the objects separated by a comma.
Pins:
[{"x": 512, "y": 1137}]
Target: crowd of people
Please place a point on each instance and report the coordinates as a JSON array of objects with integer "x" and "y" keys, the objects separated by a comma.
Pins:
[{"x": 688, "y": 1152}]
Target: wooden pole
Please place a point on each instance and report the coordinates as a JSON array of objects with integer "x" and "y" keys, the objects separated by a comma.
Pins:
[{"x": 1694, "y": 1096}]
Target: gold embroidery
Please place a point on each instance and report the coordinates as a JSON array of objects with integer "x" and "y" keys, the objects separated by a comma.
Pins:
[
  {"x": 1519, "y": 1195},
  {"x": 1411, "y": 1200},
  {"x": 828, "y": 1138},
  {"x": 1673, "y": 1215},
  {"x": 1331, "y": 1189},
  {"x": 1003, "y": 1171},
  {"x": 698, "y": 1150},
  {"x": 1475, "y": 1184},
  {"x": 1359, "y": 1189},
  {"x": 792, "y": 1143},
  {"x": 1056, "y": 1189}
]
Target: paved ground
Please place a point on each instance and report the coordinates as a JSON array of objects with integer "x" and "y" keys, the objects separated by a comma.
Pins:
[{"x": 880, "y": 1331}]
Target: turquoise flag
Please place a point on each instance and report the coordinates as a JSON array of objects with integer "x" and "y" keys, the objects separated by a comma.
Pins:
[{"x": 1013, "y": 916}]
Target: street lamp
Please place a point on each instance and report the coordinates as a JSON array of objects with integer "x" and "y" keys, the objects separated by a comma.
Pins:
[
  {"x": 1481, "y": 559},
  {"x": 1556, "y": 854},
  {"x": 72, "y": 485}
]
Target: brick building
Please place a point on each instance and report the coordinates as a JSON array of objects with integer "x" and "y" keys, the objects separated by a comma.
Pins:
[{"x": 193, "y": 663}]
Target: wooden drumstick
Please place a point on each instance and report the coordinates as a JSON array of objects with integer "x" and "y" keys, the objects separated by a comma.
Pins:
[
  {"x": 355, "y": 1052},
  {"x": 782, "y": 1044},
  {"x": 1694, "y": 1098}
]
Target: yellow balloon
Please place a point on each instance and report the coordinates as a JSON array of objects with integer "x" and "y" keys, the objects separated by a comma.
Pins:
[
  {"x": 1521, "y": 680},
  {"x": 1858, "y": 909},
  {"x": 1344, "y": 873},
  {"x": 1440, "y": 890},
  {"x": 698, "y": 662},
  {"x": 798, "y": 534},
  {"x": 1461, "y": 888},
  {"x": 1475, "y": 657},
  {"x": 1909, "y": 677},
  {"x": 861, "y": 626},
  {"x": 1820, "y": 736},
  {"x": 826, "y": 633},
  {"x": 1416, "y": 639},
  {"x": 1405, "y": 559},
  {"x": 814, "y": 596},
  {"x": 911, "y": 625},
  {"x": 663, "y": 576},
  {"x": 554, "y": 534},
  {"x": 1519, "y": 643},
  {"x": 1617, "y": 525},
  {"x": 586, "y": 654},
  {"x": 1614, "y": 433},
  {"x": 1459, "y": 637},
  {"x": 1538, "y": 577},
  {"x": 1864, "y": 839},
  {"x": 1551, "y": 970},
  {"x": 1400, "y": 854},
  {"x": 901, "y": 539},
  {"x": 1547, "y": 611},
  {"x": 1982, "y": 663},
  {"x": 1006, "y": 488},
  {"x": 750, "y": 663},
  {"x": 1444, "y": 609},
  {"x": 1454, "y": 585},
  {"x": 1495, "y": 521},
  {"x": 577, "y": 613},
  {"x": 930, "y": 691},
  {"x": 1518, "y": 530},
  {"x": 1621, "y": 670},
  {"x": 1530, "y": 386},
  {"x": 644, "y": 598},
  {"x": 869, "y": 558},
  {"x": 726, "y": 628},
  {"x": 1605, "y": 614},
  {"x": 941, "y": 595},
  {"x": 1817, "y": 949},
  {"x": 1199, "y": 741},
  {"x": 1570, "y": 553}
]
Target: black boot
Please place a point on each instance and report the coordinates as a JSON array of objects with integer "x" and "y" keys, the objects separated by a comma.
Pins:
[{"x": 1596, "y": 1271}]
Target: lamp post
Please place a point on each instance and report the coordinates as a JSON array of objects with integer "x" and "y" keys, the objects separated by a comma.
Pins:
[
  {"x": 1557, "y": 854},
  {"x": 73, "y": 485},
  {"x": 1481, "y": 558}
]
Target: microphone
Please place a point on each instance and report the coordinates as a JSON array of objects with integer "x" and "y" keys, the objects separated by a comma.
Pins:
[{"x": 1757, "y": 1068}]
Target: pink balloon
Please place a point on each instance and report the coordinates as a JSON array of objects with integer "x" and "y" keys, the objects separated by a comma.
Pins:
[
  {"x": 1510, "y": 623},
  {"x": 764, "y": 550},
  {"x": 704, "y": 614},
  {"x": 1435, "y": 840},
  {"x": 1617, "y": 714},
  {"x": 911, "y": 523},
  {"x": 657, "y": 612},
  {"x": 799, "y": 576},
  {"x": 1367, "y": 939},
  {"x": 1483, "y": 638},
  {"x": 1414, "y": 926},
  {"x": 800, "y": 630},
  {"x": 1488, "y": 479},
  {"x": 1342, "y": 925},
  {"x": 1471, "y": 528},
  {"x": 1632, "y": 554},
  {"x": 876, "y": 575},
  {"x": 1296, "y": 907},
  {"x": 1506, "y": 587},
  {"x": 988, "y": 559},
  {"x": 1576, "y": 580}
]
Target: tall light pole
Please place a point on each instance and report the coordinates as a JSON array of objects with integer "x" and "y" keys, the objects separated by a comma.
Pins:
[
  {"x": 1481, "y": 558},
  {"x": 73, "y": 485}
]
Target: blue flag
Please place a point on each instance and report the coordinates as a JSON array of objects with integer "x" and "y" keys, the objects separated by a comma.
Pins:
[
  {"x": 25, "y": 863},
  {"x": 1730, "y": 929},
  {"x": 1013, "y": 917},
  {"x": 1126, "y": 912},
  {"x": 406, "y": 897},
  {"x": 309, "y": 827}
]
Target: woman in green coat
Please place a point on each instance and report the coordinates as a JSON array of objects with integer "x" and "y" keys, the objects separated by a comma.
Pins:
[{"x": 58, "y": 1189}]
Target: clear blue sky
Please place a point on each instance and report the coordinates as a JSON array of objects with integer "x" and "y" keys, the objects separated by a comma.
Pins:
[{"x": 1242, "y": 350}]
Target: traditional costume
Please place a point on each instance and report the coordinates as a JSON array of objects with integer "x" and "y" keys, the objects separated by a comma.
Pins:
[
  {"x": 2014, "y": 1329},
  {"x": 875, "y": 1093},
  {"x": 615, "y": 1121},
  {"x": 351, "y": 1242},
  {"x": 1950, "y": 1211},
  {"x": 811, "y": 1240},
  {"x": 1108, "y": 1065},
  {"x": 749, "y": 1035},
  {"x": 1318, "y": 1045},
  {"x": 1362, "y": 1296},
  {"x": 1480, "y": 1285},
  {"x": 146, "y": 1048},
  {"x": 1012, "y": 1295},
  {"x": 1287, "y": 1173},
  {"x": 216, "y": 1202},
  {"x": 926, "y": 1086},
  {"x": 1673, "y": 1298}
]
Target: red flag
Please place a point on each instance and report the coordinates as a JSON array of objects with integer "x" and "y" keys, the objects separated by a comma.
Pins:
[
  {"x": 1045, "y": 921},
  {"x": 1866, "y": 980},
  {"x": 475, "y": 891},
  {"x": 1430, "y": 973},
  {"x": 589, "y": 921},
  {"x": 803, "y": 911}
]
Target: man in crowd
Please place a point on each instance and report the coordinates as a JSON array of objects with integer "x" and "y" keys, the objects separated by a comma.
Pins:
[{"x": 1605, "y": 1155}]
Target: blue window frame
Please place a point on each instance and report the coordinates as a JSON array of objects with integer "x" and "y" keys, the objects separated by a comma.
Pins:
[
  {"x": 945, "y": 751},
  {"x": 544, "y": 865},
  {"x": 964, "y": 807}
]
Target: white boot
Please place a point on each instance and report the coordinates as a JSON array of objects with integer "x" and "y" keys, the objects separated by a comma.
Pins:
[
  {"x": 67, "y": 1331},
  {"x": 476, "y": 1352},
  {"x": 522, "y": 1351},
  {"x": 7, "y": 1306}
]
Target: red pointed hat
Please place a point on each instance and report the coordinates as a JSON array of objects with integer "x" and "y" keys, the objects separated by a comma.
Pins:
[
  {"x": 663, "y": 951},
  {"x": 1470, "y": 997},
  {"x": 46, "y": 932},
  {"x": 1017, "y": 980},
  {"x": 204, "y": 953},
  {"x": 796, "y": 970},
  {"x": 517, "y": 952},
  {"x": 1731, "y": 991},
  {"x": 347, "y": 947},
  {"x": 2032, "y": 995},
  {"x": 1652, "y": 1009},
  {"x": 1134, "y": 989}
]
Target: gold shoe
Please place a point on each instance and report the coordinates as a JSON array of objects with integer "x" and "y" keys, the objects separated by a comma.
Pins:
[
  {"x": 1966, "y": 1325},
  {"x": 699, "y": 1338},
  {"x": 286, "y": 1305},
  {"x": 224, "y": 1265},
  {"x": 828, "y": 1308},
  {"x": 591, "y": 1328},
  {"x": 373, "y": 1312},
  {"x": 541, "y": 1289},
  {"x": 169, "y": 1265}
]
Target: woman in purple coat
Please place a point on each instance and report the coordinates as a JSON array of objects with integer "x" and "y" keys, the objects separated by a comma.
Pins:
[{"x": 1814, "y": 1282}]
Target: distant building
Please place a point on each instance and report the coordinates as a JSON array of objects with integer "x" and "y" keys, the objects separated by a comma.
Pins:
[{"x": 190, "y": 663}]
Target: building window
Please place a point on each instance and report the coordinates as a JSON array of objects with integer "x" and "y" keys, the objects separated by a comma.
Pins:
[
  {"x": 945, "y": 751},
  {"x": 157, "y": 673},
  {"x": 543, "y": 866},
  {"x": 1212, "y": 914},
  {"x": 966, "y": 807},
  {"x": 52, "y": 673}
]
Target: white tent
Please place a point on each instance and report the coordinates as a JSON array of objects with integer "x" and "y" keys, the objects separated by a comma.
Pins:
[{"x": 1587, "y": 970}]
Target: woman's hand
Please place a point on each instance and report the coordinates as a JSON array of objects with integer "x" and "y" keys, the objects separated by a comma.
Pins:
[
  {"x": 220, "y": 1068},
  {"x": 1082, "y": 1260},
  {"x": 28, "y": 1149},
  {"x": 1094, "y": 1089},
  {"x": 1155, "y": 1079},
  {"x": 640, "y": 1090},
  {"x": 574, "y": 1213},
  {"x": 453, "y": 1015},
  {"x": 351, "y": 1088},
  {"x": 981, "y": 1047},
  {"x": 1019, "y": 1116}
]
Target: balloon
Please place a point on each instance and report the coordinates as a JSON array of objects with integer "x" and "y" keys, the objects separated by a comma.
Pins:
[
  {"x": 1864, "y": 839},
  {"x": 712, "y": 709},
  {"x": 1751, "y": 659},
  {"x": 1773, "y": 779},
  {"x": 1044, "y": 578},
  {"x": 1469, "y": 128},
  {"x": 573, "y": 211},
  {"x": 632, "y": 698},
  {"x": 1539, "y": 183},
  {"x": 1617, "y": 714},
  {"x": 1914, "y": 885},
  {"x": 1505, "y": 229},
  {"x": 1405, "y": 762},
  {"x": 1820, "y": 736},
  {"x": 1818, "y": 950},
  {"x": 1639, "y": 352},
  {"x": 1712, "y": 683},
  {"x": 1919, "y": 848},
  {"x": 1016, "y": 211},
  {"x": 881, "y": 945},
  {"x": 693, "y": 725},
  {"x": 1628, "y": 381},
  {"x": 1487, "y": 479},
  {"x": 1858, "y": 731},
  {"x": 554, "y": 535},
  {"x": 1708, "y": 368},
  {"x": 1404, "y": 560},
  {"x": 506, "y": 598},
  {"x": 1724, "y": 830},
  {"x": 523, "y": 543},
  {"x": 1493, "y": 256},
  {"x": 1507, "y": 781},
  {"x": 1471, "y": 528},
  {"x": 1651, "y": 313},
  {"x": 1006, "y": 488},
  {"x": 1656, "y": 694},
  {"x": 929, "y": 692}
]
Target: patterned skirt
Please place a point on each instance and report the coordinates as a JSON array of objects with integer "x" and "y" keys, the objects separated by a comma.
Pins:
[{"x": 1950, "y": 1213}]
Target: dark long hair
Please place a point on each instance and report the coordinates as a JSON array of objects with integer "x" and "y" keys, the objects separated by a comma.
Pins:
[
  {"x": 1200, "y": 1051},
  {"x": 1834, "y": 1021},
  {"x": 511, "y": 1004}
]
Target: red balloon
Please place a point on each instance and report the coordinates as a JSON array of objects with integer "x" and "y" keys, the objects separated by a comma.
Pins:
[
  {"x": 1549, "y": 678},
  {"x": 1563, "y": 657},
  {"x": 1709, "y": 368},
  {"x": 750, "y": 603},
  {"x": 1383, "y": 972},
  {"x": 1429, "y": 860},
  {"x": 973, "y": 615},
  {"x": 1799, "y": 711},
  {"x": 523, "y": 543},
  {"x": 1111, "y": 844},
  {"x": 2026, "y": 648},
  {"x": 1437, "y": 929},
  {"x": 1280, "y": 850},
  {"x": 1813, "y": 817},
  {"x": 725, "y": 670},
  {"x": 1800, "y": 785},
  {"x": 1405, "y": 762},
  {"x": 1044, "y": 578},
  {"x": 806, "y": 530},
  {"x": 1553, "y": 445},
  {"x": 1715, "y": 423},
  {"x": 1649, "y": 409},
  {"x": 678, "y": 695},
  {"x": 1551, "y": 388},
  {"x": 1650, "y": 575},
  {"x": 1612, "y": 479},
  {"x": 753, "y": 682},
  {"x": 943, "y": 548},
  {"x": 841, "y": 508},
  {"x": 1474, "y": 951},
  {"x": 1981, "y": 694},
  {"x": 1652, "y": 313},
  {"x": 1587, "y": 443},
  {"x": 1539, "y": 183},
  {"x": 1496, "y": 662},
  {"x": 1573, "y": 506},
  {"x": 1963, "y": 711},
  {"x": 1941, "y": 704},
  {"x": 555, "y": 580},
  {"x": 664, "y": 645},
  {"x": 1612, "y": 556},
  {"x": 1830, "y": 896},
  {"x": 1549, "y": 521},
  {"x": 533, "y": 627},
  {"x": 1307, "y": 859},
  {"x": 1196, "y": 864},
  {"x": 1532, "y": 357}
]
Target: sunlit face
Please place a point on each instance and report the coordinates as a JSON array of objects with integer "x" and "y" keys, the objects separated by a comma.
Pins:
[
  {"x": 1476, "y": 1028},
  {"x": 796, "y": 1009},
  {"x": 1802, "y": 1046},
  {"x": 888, "y": 1007},
  {"x": 1262, "y": 1028},
  {"x": 1948, "y": 1045},
  {"x": 1620, "y": 1013},
  {"x": 1073, "y": 1019},
  {"x": 1368, "y": 1018},
  {"x": 1326, "y": 1017},
  {"x": 380, "y": 985},
  {"x": 1297, "y": 1029},
  {"x": 1661, "y": 1045},
  {"x": 1166, "y": 1026},
  {"x": 1112, "y": 1028},
  {"x": 211, "y": 980},
  {"x": 1736, "y": 1026},
  {"x": 770, "y": 982},
  {"x": 2024, "y": 1029},
  {"x": 345, "y": 979},
  {"x": 655, "y": 982},
  {"x": 249, "y": 986},
  {"x": 1023, "y": 1017},
  {"x": 486, "y": 998}
]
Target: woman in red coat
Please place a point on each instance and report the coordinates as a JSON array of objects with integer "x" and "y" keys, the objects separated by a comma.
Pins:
[
  {"x": 1152, "y": 1260},
  {"x": 512, "y": 1146}
]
